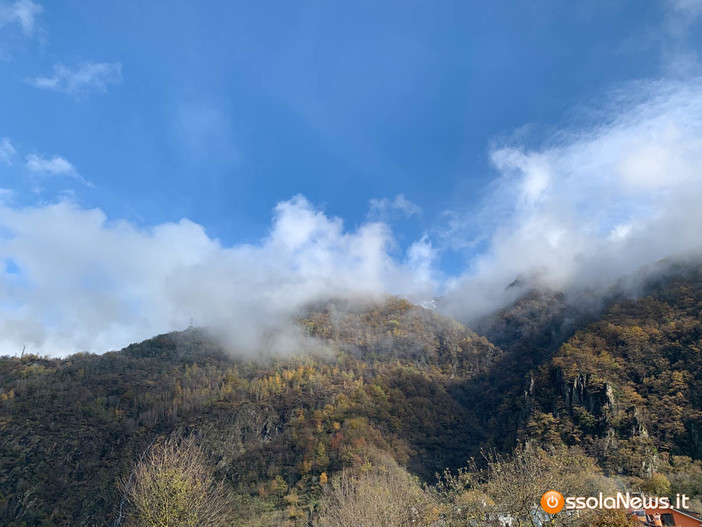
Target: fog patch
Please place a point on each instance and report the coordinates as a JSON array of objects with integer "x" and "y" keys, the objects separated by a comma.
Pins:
[
  {"x": 592, "y": 206},
  {"x": 83, "y": 283}
]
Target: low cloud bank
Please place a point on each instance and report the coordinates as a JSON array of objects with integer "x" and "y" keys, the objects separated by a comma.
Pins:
[
  {"x": 583, "y": 210},
  {"x": 592, "y": 205},
  {"x": 74, "y": 281}
]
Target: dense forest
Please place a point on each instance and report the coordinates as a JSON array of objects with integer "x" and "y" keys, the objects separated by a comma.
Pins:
[{"x": 396, "y": 402}]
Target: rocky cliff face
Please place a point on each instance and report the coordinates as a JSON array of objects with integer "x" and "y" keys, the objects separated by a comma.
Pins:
[
  {"x": 583, "y": 391},
  {"x": 628, "y": 386}
]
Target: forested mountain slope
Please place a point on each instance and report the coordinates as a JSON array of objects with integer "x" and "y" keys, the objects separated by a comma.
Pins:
[
  {"x": 628, "y": 387},
  {"x": 388, "y": 380},
  {"x": 71, "y": 428}
]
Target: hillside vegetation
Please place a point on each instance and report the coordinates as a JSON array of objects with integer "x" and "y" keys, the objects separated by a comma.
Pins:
[
  {"x": 393, "y": 391},
  {"x": 70, "y": 428}
]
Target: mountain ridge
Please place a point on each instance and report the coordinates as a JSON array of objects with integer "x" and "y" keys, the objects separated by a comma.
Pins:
[{"x": 395, "y": 378}]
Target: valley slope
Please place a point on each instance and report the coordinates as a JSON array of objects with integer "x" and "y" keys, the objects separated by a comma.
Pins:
[{"x": 623, "y": 383}]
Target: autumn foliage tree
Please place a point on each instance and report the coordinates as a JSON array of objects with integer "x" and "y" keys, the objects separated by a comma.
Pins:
[
  {"x": 513, "y": 486},
  {"x": 382, "y": 495},
  {"x": 173, "y": 486}
]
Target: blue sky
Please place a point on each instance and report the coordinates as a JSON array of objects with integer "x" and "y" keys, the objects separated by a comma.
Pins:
[
  {"x": 223, "y": 111},
  {"x": 425, "y": 120}
]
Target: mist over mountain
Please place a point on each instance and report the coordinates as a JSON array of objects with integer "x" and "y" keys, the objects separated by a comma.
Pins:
[
  {"x": 342, "y": 264},
  {"x": 580, "y": 213},
  {"x": 384, "y": 378}
]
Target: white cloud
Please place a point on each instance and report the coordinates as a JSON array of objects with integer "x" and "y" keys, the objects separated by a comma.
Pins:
[
  {"x": 22, "y": 12},
  {"x": 593, "y": 205},
  {"x": 53, "y": 166},
  {"x": 86, "y": 78},
  {"x": 7, "y": 151},
  {"x": 382, "y": 207},
  {"x": 87, "y": 283},
  {"x": 421, "y": 259}
]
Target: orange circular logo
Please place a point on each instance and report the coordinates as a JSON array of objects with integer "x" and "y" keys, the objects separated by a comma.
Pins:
[{"x": 552, "y": 501}]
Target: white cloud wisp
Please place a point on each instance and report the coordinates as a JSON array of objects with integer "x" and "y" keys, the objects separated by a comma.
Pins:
[
  {"x": 7, "y": 151},
  {"x": 86, "y": 78},
  {"x": 55, "y": 166},
  {"x": 22, "y": 12}
]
